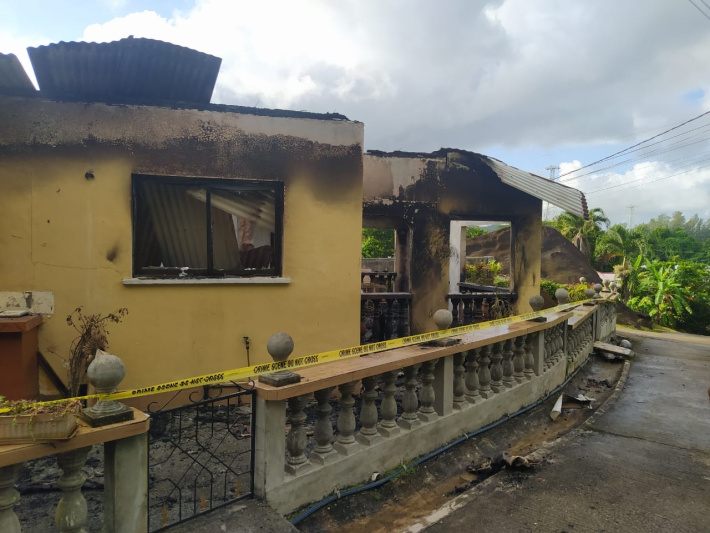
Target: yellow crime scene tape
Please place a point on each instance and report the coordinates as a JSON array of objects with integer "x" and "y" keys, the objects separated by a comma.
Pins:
[{"x": 248, "y": 372}]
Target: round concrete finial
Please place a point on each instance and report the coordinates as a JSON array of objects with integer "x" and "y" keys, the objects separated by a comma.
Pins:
[
  {"x": 583, "y": 280},
  {"x": 536, "y": 302},
  {"x": 105, "y": 372},
  {"x": 562, "y": 296},
  {"x": 279, "y": 346},
  {"x": 606, "y": 283},
  {"x": 597, "y": 290},
  {"x": 443, "y": 319},
  {"x": 589, "y": 293},
  {"x": 614, "y": 286},
  {"x": 625, "y": 344}
]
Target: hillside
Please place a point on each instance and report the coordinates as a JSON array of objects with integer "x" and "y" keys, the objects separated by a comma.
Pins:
[{"x": 561, "y": 261}]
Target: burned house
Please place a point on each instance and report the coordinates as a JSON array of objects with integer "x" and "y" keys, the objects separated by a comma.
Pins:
[{"x": 214, "y": 225}]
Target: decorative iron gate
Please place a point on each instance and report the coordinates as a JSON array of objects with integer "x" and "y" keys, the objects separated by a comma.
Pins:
[{"x": 201, "y": 454}]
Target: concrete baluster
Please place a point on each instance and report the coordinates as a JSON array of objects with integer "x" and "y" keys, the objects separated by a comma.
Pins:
[
  {"x": 484, "y": 373},
  {"x": 496, "y": 368},
  {"x": 410, "y": 402},
  {"x": 528, "y": 358},
  {"x": 323, "y": 452},
  {"x": 368, "y": 434},
  {"x": 508, "y": 379},
  {"x": 345, "y": 442},
  {"x": 427, "y": 413},
  {"x": 296, "y": 439},
  {"x": 9, "y": 522},
  {"x": 518, "y": 360},
  {"x": 459, "y": 383},
  {"x": 71, "y": 513},
  {"x": 472, "y": 394},
  {"x": 388, "y": 408}
]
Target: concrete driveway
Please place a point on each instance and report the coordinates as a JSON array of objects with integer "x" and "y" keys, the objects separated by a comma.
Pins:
[{"x": 642, "y": 466}]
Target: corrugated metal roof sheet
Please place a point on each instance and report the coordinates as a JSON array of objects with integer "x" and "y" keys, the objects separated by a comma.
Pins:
[
  {"x": 567, "y": 198},
  {"x": 13, "y": 78},
  {"x": 128, "y": 70}
]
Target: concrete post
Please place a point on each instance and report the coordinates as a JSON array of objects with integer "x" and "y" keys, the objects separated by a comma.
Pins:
[
  {"x": 444, "y": 386},
  {"x": 126, "y": 485},
  {"x": 269, "y": 446}
]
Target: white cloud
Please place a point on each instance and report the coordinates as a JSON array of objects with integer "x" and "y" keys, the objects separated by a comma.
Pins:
[{"x": 550, "y": 75}]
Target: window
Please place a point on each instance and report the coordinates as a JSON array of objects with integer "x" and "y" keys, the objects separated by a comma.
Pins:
[{"x": 191, "y": 227}]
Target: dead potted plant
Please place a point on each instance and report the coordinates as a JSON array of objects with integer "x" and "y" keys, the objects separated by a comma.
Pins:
[
  {"x": 24, "y": 421},
  {"x": 92, "y": 335}
]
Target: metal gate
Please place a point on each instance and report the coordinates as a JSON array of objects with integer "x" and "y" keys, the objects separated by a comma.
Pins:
[{"x": 200, "y": 454}]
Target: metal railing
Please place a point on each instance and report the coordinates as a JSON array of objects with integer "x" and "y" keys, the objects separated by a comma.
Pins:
[{"x": 200, "y": 455}]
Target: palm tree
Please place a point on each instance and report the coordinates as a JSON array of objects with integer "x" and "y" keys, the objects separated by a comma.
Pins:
[
  {"x": 583, "y": 233},
  {"x": 619, "y": 244}
]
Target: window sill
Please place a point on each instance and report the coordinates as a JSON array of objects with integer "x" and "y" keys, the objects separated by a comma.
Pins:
[{"x": 257, "y": 280}]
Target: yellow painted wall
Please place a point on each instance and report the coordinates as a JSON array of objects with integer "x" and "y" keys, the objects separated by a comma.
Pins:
[{"x": 59, "y": 232}]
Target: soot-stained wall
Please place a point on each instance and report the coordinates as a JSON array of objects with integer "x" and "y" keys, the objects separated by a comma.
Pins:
[
  {"x": 428, "y": 191},
  {"x": 64, "y": 233}
]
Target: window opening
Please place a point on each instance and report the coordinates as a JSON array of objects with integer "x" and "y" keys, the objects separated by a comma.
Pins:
[{"x": 206, "y": 227}]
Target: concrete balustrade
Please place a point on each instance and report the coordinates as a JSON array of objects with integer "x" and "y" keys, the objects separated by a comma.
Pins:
[
  {"x": 442, "y": 392},
  {"x": 125, "y": 477}
]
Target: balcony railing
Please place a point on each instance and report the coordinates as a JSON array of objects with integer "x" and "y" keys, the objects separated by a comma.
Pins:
[
  {"x": 384, "y": 316},
  {"x": 439, "y": 392},
  {"x": 473, "y": 307},
  {"x": 377, "y": 281}
]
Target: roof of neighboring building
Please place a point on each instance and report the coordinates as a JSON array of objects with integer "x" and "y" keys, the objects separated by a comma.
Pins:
[
  {"x": 13, "y": 78},
  {"x": 557, "y": 194}
]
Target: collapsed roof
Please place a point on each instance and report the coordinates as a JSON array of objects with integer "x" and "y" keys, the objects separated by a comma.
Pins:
[{"x": 567, "y": 198}]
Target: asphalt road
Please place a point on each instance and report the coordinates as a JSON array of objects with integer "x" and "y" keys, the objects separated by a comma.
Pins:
[{"x": 641, "y": 466}]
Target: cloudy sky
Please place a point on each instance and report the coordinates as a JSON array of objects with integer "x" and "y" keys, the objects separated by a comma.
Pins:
[{"x": 535, "y": 83}]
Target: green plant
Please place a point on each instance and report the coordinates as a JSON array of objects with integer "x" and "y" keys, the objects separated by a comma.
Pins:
[
  {"x": 92, "y": 335},
  {"x": 576, "y": 292},
  {"x": 483, "y": 273},
  {"x": 501, "y": 281},
  {"x": 549, "y": 287},
  {"x": 474, "y": 231},
  {"x": 377, "y": 242},
  {"x": 661, "y": 294}
]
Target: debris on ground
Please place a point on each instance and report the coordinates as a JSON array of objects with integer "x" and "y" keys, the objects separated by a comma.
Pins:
[
  {"x": 490, "y": 466},
  {"x": 567, "y": 401},
  {"x": 611, "y": 352},
  {"x": 591, "y": 382}
]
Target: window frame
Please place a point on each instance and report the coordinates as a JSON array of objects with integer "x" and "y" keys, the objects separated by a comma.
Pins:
[{"x": 208, "y": 183}]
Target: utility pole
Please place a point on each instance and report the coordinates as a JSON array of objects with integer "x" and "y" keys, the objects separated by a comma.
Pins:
[
  {"x": 552, "y": 170},
  {"x": 631, "y": 215}
]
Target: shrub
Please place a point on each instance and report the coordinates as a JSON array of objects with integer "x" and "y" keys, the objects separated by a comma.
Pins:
[
  {"x": 549, "y": 287},
  {"x": 483, "y": 273}
]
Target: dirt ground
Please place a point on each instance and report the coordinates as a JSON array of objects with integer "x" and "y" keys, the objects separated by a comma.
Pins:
[{"x": 431, "y": 484}]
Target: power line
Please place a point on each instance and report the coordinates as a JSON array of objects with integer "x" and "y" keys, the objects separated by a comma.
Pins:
[
  {"x": 635, "y": 145},
  {"x": 698, "y": 8},
  {"x": 640, "y": 181},
  {"x": 638, "y": 158},
  {"x": 645, "y": 183}
]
